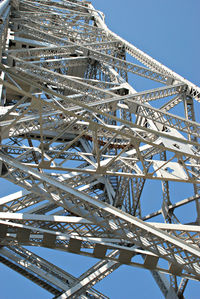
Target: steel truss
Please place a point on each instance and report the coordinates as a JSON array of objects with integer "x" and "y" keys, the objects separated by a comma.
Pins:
[{"x": 83, "y": 145}]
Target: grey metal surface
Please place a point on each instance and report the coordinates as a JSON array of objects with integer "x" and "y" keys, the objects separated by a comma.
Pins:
[{"x": 83, "y": 145}]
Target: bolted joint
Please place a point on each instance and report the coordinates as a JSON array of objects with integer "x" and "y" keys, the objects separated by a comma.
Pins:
[
  {"x": 189, "y": 91},
  {"x": 192, "y": 92}
]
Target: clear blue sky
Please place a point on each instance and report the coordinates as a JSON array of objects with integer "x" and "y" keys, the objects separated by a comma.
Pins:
[{"x": 168, "y": 30}]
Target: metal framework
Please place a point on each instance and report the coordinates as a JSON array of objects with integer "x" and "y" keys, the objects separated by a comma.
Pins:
[{"x": 83, "y": 144}]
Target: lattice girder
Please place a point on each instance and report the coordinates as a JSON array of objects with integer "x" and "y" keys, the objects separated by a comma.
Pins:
[{"x": 83, "y": 145}]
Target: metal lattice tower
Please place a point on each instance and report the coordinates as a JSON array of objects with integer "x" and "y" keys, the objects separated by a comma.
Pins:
[{"x": 81, "y": 145}]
